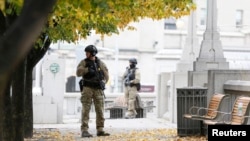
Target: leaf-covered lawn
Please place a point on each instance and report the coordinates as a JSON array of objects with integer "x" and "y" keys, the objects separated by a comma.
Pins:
[{"x": 135, "y": 135}]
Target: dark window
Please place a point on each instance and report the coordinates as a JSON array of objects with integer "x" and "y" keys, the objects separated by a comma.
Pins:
[
  {"x": 239, "y": 18},
  {"x": 203, "y": 16},
  {"x": 170, "y": 24}
]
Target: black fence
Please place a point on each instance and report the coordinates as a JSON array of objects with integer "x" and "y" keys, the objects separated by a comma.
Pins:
[{"x": 116, "y": 113}]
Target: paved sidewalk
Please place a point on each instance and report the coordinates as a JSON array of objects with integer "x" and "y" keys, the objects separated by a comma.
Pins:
[{"x": 112, "y": 126}]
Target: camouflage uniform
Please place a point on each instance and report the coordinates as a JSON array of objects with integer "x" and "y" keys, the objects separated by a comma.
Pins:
[
  {"x": 131, "y": 90},
  {"x": 90, "y": 93}
]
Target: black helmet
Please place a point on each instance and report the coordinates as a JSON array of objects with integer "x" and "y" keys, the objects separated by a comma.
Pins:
[
  {"x": 92, "y": 49},
  {"x": 133, "y": 60}
]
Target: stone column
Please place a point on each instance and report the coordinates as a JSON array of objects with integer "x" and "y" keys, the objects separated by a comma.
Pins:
[
  {"x": 211, "y": 54},
  {"x": 191, "y": 47}
]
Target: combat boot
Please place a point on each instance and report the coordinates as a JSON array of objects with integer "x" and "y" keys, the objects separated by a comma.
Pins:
[
  {"x": 127, "y": 115},
  {"x": 130, "y": 115},
  {"x": 102, "y": 133},
  {"x": 134, "y": 114},
  {"x": 86, "y": 134}
]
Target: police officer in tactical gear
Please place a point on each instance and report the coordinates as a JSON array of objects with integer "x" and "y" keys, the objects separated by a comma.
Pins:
[
  {"x": 95, "y": 75},
  {"x": 131, "y": 79}
]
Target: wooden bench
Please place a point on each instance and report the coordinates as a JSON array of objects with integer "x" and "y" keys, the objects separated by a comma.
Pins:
[
  {"x": 202, "y": 113},
  {"x": 209, "y": 113},
  {"x": 233, "y": 117}
]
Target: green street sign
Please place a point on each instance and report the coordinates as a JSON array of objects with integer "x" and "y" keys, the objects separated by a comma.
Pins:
[{"x": 54, "y": 68}]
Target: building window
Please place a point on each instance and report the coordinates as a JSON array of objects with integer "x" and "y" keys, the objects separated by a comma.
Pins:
[
  {"x": 170, "y": 24},
  {"x": 239, "y": 18},
  {"x": 203, "y": 16}
]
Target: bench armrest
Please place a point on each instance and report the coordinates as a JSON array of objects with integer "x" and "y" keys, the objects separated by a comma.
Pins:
[
  {"x": 194, "y": 110},
  {"x": 225, "y": 121}
]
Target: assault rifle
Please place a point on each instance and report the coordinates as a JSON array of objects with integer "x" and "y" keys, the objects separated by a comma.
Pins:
[
  {"x": 126, "y": 81},
  {"x": 101, "y": 83}
]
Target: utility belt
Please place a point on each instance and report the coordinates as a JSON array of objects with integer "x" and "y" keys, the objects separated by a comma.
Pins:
[
  {"x": 131, "y": 84},
  {"x": 138, "y": 85},
  {"x": 92, "y": 84}
]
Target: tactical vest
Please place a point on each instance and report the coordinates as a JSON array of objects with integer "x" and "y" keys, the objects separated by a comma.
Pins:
[
  {"x": 96, "y": 79},
  {"x": 131, "y": 74}
]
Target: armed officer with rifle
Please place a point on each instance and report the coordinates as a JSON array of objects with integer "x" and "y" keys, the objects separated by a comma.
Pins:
[
  {"x": 131, "y": 79},
  {"x": 95, "y": 75}
]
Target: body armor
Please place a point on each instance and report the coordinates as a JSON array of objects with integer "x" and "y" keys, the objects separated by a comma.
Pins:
[{"x": 94, "y": 80}]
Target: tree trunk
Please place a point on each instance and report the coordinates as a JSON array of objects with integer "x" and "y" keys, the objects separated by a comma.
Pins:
[
  {"x": 28, "y": 104},
  {"x": 2, "y": 86},
  {"x": 17, "y": 40},
  {"x": 34, "y": 56},
  {"x": 7, "y": 116},
  {"x": 18, "y": 84}
]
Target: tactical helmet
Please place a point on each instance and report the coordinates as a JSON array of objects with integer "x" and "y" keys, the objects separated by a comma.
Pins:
[
  {"x": 133, "y": 60},
  {"x": 92, "y": 49}
]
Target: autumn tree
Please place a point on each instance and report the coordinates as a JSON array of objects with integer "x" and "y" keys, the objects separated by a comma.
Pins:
[
  {"x": 16, "y": 39},
  {"x": 69, "y": 21}
]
